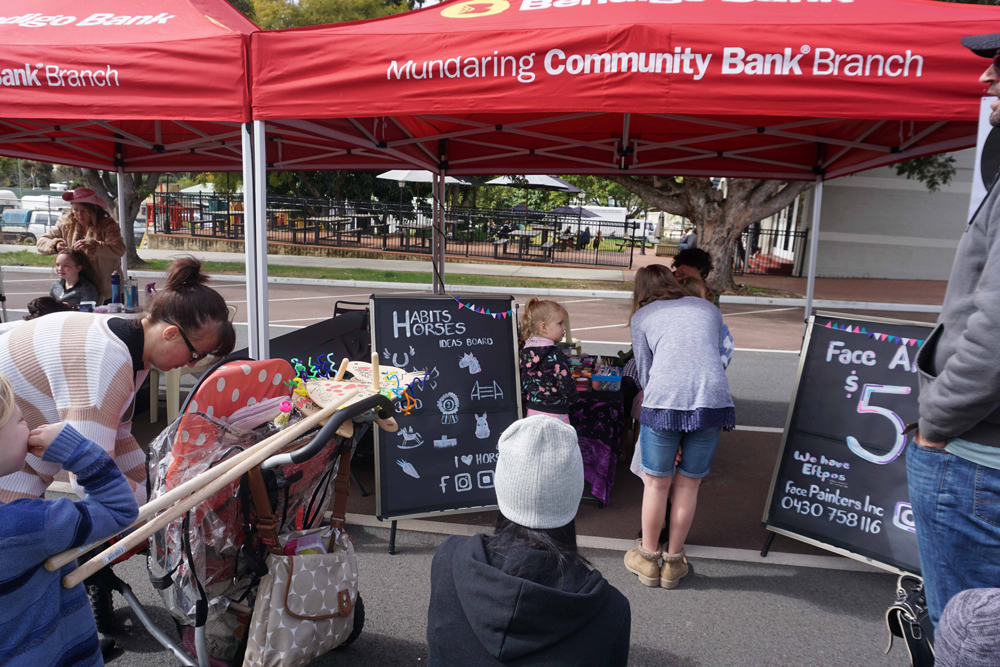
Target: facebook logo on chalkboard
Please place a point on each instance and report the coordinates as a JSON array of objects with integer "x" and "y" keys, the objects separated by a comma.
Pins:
[{"x": 903, "y": 518}]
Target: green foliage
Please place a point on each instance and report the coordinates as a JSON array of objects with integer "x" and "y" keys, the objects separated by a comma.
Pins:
[
  {"x": 244, "y": 7},
  {"x": 33, "y": 174},
  {"x": 931, "y": 170},
  {"x": 275, "y": 14},
  {"x": 225, "y": 182}
]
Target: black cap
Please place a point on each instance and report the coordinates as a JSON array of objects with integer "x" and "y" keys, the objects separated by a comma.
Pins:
[{"x": 983, "y": 45}]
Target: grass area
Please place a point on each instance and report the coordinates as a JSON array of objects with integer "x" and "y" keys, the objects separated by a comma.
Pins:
[{"x": 25, "y": 258}]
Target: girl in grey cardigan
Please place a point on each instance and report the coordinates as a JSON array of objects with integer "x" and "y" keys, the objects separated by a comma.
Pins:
[{"x": 676, "y": 338}]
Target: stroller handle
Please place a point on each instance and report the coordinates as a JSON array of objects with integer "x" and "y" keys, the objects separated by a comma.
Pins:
[{"x": 316, "y": 445}]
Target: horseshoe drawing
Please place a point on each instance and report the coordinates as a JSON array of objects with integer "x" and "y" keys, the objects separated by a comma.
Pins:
[{"x": 400, "y": 364}]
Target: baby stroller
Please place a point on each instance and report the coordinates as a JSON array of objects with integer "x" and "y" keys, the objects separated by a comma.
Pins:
[{"x": 207, "y": 564}]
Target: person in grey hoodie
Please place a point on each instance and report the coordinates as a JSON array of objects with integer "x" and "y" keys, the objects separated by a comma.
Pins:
[
  {"x": 953, "y": 464},
  {"x": 523, "y": 595}
]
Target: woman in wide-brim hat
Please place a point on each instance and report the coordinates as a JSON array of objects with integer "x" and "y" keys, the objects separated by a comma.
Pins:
[{"x": 88, "y": 227}]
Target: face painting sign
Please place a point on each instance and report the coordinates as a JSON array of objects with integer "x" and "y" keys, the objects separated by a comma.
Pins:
[{"x": 840, "y": 478}]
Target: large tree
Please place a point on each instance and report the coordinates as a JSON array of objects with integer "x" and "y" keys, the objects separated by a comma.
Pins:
[
  {"x": 136, "y": 188},
  {"x": 719, "y": 214}
]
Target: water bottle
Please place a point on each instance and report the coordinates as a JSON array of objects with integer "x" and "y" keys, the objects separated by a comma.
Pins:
[
  {"x": 131, "y": 294},
  {"x": 116, "y": 287}
]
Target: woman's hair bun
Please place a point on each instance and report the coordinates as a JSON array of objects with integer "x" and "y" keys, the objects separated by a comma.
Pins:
[{"x": 185, "y": 273}]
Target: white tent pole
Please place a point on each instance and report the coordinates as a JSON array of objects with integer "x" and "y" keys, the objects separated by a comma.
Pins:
[
  {"x": 122, "y": 223},
  {"x": 260, "y": 199},
  {"x": 250, "y": 239},
  {"x": 814, "y": 244}
]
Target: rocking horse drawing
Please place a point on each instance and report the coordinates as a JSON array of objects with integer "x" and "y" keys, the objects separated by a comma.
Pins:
[{"x": 411, "y": 440}]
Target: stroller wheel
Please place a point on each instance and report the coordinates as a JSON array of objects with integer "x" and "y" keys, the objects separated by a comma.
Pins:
[
  {"x": 359, "y": 621},
  {"x": 102, "y": 602}
]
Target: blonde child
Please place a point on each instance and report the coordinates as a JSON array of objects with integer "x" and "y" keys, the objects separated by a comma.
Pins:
[
  {"x": 42, "y": 623},
  {"x": 547, "y": 385}
]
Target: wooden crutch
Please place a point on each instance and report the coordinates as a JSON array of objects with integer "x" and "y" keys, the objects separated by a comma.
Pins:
[{"x": 263, "y": 451}]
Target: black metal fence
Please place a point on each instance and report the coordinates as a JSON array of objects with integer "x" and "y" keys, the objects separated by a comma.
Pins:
[
  {"x": 512, "y": 234},
  {"x": 779, "y": 252}
]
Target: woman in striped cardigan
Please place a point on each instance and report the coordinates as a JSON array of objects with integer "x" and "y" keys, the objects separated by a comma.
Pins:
[{"x": 85, "y": 369}]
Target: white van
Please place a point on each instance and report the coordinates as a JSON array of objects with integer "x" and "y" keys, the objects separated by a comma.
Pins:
[{"x": 44, "y": 202}]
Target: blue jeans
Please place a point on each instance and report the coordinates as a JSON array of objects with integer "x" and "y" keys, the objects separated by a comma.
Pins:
[
  {"x": 659, "y": 449},
  {"x": 682, "y": 246},
  {"x": 956, "y": 509}
]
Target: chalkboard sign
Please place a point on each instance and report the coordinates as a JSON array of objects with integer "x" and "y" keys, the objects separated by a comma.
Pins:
[
  {"x": 840, "y": 478},
  {"x": 444, "y": 454}
]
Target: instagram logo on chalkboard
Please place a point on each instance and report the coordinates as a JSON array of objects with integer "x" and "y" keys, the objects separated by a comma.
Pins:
[{"x": 903, "y": 518}]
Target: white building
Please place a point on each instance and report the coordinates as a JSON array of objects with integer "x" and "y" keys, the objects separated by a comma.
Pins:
[{"x": 876, "y": 224}]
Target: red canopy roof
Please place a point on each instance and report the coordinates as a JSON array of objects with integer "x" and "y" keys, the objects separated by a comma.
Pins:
[
  {"x": 712, "y": 87},
  {"x": 166, "y": 79}
]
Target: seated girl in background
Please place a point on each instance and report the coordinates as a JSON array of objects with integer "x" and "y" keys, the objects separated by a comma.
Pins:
[
  {"x": 76, "y": 279},
  {"x": 547, "y": 385}
]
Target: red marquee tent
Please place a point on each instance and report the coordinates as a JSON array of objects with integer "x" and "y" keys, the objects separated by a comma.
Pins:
[
  {"x": 709, "y": 87},
  {"x": 130, "y": 85},
  {"x": 165, "y": 80},
  {"x": 780, "y": 89}
]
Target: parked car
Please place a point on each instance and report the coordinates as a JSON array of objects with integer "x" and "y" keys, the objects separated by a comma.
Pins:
[
  {"x": 27, "y": 226},
  {"x": 138, "y": 230}
]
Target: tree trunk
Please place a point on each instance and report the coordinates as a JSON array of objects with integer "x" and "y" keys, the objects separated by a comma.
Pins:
[
  {"x": 309, "y": 185},
  {"x": 136, "y": 187},
  {"x": 719, "y": 216}
]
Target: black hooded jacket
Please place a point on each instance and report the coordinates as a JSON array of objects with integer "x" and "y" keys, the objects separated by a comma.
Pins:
[{"x": 481, "y": 615}]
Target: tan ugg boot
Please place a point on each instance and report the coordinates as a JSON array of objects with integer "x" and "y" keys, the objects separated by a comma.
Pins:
[
  {"x": 644, "y": 564},
  {"x": 675, "y": 568}
]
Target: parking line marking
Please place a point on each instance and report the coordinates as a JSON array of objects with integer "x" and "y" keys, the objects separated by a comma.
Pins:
[{"x": 757, "y": 312}]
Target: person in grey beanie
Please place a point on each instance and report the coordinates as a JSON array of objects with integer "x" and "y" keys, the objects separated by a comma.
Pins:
[
  {"x": 524, "y": 595},
  {"x": 969, "y": 632}
]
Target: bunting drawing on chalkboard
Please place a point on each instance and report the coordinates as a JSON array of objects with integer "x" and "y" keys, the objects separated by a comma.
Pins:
[
  {"x": 900, "y": 340},
  {"x": 504, "y": 314}
]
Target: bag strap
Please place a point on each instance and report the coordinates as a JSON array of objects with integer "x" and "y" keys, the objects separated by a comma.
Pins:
[
  {"x": 342, "y": 485},
  {"x": 906, "y": 618},
  {"x": 266, "y": 525}
]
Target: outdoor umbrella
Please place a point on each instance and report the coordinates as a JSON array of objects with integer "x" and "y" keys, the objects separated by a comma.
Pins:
[
  {"x": 578, "y": 211},
  {"x": 538, "y": 182},
  {"x": 424, "y": 176}
]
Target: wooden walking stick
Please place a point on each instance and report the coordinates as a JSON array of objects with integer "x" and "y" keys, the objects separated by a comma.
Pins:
[
  {"x": 169, "y": 498},
  {"x": 274, "y": 445}
]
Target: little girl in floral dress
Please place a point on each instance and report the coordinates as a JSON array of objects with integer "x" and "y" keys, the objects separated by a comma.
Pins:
[{"x": 547, "y": 385}]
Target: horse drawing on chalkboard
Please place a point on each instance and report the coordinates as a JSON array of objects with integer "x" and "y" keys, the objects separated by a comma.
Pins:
[
  {"x": 482, "y": 428},
  {"x": 411, "y": 440},
  {"x": 470, "y": 362}
]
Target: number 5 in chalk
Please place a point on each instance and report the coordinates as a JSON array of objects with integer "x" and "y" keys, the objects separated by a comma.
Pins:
[{"x": 864, "y": 408}]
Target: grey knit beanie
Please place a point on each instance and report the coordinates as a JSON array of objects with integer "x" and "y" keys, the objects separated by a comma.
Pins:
[
  {"x": 539, "y": 475},
  {"x": 968, "y": 634}
]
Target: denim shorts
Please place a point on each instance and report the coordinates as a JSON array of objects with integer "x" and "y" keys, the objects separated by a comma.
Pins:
[{"x": 659, "y": 449}]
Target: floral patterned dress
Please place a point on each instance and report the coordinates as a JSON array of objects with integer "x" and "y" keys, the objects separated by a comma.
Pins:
[{"x": 547, "y": 385}]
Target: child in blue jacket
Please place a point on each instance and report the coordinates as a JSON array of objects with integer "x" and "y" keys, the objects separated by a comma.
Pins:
[{"x": 43, "y": 624}]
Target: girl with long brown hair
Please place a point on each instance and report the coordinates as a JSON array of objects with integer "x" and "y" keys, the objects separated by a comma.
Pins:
[
  {"x": 76, "y": 278},
  {"x": 676, "y": 337}
]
